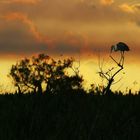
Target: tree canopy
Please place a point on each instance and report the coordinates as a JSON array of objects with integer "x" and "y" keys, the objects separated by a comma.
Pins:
[{"x": 43, "y": 73}]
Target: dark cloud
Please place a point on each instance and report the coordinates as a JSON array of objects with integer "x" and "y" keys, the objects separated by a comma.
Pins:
[
  {"x": 42, "y": 27},
  {"x": 15, "y": 39},
  {"x": 65, "y": 48}
]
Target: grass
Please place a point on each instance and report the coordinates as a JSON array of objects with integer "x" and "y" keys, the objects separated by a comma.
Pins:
[{"x": 69, "y": 117}]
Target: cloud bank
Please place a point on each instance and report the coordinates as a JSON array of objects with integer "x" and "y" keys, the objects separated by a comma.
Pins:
[{"x": 68, "y": 26}]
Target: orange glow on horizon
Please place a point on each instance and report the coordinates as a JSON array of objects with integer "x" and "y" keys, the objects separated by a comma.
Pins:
[{"x": 89, "y": 68}]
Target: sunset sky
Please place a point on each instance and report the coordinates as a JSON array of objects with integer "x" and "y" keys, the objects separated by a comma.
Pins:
[{"x": 83, "y": 29}]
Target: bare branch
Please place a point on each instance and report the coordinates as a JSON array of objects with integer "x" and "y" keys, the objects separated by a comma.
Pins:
[{"x": 110, "y": 74}]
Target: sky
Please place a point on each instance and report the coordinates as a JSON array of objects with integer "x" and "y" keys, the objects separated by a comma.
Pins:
[{"x": 83, "y": 29}]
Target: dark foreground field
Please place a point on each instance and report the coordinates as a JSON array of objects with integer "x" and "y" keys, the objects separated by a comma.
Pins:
[{"x": 69, "y": 117}]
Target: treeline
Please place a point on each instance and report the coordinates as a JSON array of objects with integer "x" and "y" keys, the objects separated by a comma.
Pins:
[{"x": 43, "y": 74}]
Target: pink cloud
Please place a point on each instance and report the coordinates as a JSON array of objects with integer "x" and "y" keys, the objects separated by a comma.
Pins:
[{"x": 28, "y": 22}]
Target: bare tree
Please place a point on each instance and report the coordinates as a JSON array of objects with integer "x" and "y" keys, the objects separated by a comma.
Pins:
[{"x": 111, "y": 73}]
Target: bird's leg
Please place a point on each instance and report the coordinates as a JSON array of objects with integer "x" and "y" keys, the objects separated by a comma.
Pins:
[
  {"x": 119, "y": 64},
  {"x": 121, "y": 59}
]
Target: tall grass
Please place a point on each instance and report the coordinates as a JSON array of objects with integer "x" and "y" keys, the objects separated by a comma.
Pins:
[{"x": 74, "y": 116}]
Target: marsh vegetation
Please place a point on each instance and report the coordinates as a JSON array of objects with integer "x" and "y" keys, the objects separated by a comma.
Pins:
[{"x": 50, "y": 103}]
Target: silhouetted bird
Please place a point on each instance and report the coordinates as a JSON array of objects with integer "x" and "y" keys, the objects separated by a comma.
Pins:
[{"x": 120, "y": 47}]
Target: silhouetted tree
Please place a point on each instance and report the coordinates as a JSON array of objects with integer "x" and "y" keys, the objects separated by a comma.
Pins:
[
  {"x": 32, "y": 74},
  {"x": 29, "y": 74},
  {"x": 111, "y": 73},
  {"x": 60, "y": 80}
]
